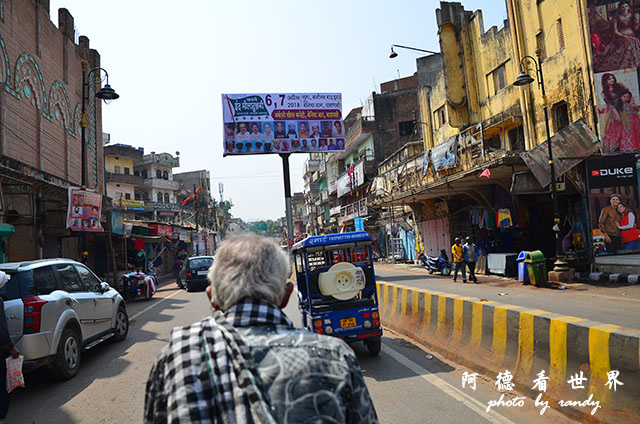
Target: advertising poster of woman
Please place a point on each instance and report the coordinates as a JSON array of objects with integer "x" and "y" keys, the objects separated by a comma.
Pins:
[{"x": 615, "y": 44}]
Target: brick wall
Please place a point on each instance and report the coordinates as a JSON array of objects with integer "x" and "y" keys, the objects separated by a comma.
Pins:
[{"x": 40, "y": 106}]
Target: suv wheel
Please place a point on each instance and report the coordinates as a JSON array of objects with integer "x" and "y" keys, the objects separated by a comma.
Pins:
[
  {"x": 122, "y": 325},
  {"x": 67, "y": 359}
]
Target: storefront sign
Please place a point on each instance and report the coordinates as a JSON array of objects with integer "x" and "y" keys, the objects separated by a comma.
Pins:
[
  {"x": 570, "y": 146},
  {"x": 84, "y": 210},
  {"x": 117, "y": 223},
  {"x": 134, "y": 205},
  {"x": 282, "y": 122},
  {"x": 161, "y": 230},
  {"x": 613, "y": 203},
  {"x": 615, "y": 46}
]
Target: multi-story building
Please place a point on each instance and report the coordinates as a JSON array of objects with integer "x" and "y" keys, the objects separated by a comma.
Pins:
[
  {"x": 40, "y": 141},
  {"x": 120, "y": 178},
  {"x": 480, "y": 131},
  {"x": 158, "y": 189},
  {"x": 312, "y": 192},
  {"x": 298, "y": 211}
]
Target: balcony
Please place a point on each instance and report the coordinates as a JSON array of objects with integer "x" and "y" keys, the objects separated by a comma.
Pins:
[
  {"x": 159, "y": 183},
  {"x": 125, "y": 151},
  {"x": 335, "y": 210},
  {"x": 362, "y": 170},
  {"x": 310, "y": 166},
  {"x": 112, "y": 177},
  {"x": 160, "y": 158},
  {"x": 353, "y": 210},
  {"x": 359, "y": 131}
]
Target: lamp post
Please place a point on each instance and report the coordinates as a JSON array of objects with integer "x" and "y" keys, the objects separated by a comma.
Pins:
[
  {"x": 105, "y": 93},
  {"x": 393, "y": 54},
  {"x": 529, "y": 63}
]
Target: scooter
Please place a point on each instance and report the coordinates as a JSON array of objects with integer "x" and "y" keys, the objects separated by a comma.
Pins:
[{"x": 436, "y": 264}]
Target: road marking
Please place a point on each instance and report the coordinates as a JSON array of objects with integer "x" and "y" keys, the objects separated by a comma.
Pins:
[
  {"x": 471, "y": 403},
  {"x": 154, "y": 305}
]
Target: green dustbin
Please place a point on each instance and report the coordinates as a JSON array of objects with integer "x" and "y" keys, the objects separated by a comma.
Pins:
[{"x": 536, "y": 268}]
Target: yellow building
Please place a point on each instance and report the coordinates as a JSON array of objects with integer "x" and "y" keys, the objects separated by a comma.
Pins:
[
  {"x": 119, "y": 175},
  {"x": 477, "y": 124}
]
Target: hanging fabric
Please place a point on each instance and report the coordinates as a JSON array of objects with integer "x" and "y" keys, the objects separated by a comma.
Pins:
[{"x": 504, "y": 218}]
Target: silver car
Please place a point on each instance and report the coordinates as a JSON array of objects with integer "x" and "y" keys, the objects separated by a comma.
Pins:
[{"x": 55, "y": 308}]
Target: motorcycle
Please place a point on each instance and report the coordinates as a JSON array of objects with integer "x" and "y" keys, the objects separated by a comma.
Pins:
[{"x": 439, "y": 264}]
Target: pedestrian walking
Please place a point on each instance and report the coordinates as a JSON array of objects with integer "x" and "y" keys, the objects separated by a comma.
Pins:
[
  {"x": 247, "y": 363},
  {"x": 458, "y": 260},
  {"x": 6, "y": 348},
  {"x": 471, "y": 255}
]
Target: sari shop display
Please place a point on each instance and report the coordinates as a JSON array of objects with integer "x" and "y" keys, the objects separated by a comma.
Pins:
[
  {"x": 282, "y": 123},
  {"x": 613, "y": 203},
  {"x": 615, "y": 43}
]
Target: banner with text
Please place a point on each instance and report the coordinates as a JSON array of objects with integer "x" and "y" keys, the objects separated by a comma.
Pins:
[
  {"x": 84, "y": 210},
  {"x": 282, "y": 123}
]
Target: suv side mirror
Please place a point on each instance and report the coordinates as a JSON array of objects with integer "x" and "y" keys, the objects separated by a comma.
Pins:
[{"x": 104, "y": 287}]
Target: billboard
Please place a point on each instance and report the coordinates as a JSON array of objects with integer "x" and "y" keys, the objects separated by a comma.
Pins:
[
  {"x": 84, "y": 210},
  {"x": 282, "y": 123},
  {"x": 615, "y": 46},
  {"x": 613, "y": 204}
]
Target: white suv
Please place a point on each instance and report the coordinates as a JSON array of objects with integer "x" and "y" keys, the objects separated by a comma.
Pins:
[{"x": 55, "y": 308}]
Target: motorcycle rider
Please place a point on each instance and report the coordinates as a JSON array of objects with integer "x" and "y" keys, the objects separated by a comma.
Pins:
[{"x": 458, "y": 260}]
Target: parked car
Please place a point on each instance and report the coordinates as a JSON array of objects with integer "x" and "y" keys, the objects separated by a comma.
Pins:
[
  {"x": 56, "y": 308},
  {"x": 193, "y": 274}
]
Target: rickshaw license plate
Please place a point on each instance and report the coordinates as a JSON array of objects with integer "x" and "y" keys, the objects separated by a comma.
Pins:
[{"x": 348, "y": 322}]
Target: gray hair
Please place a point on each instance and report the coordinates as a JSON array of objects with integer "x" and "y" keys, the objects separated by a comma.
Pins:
[{"x": 248, "y": 266}]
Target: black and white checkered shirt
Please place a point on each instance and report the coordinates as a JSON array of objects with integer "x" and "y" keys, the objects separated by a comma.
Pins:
[{"x": 251, "y": 365}]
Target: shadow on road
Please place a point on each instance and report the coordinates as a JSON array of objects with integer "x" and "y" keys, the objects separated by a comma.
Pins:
[{"x": 386, "y": 368}]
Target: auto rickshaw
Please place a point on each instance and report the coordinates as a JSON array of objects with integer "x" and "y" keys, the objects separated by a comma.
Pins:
[{"x": 337, "y": 287}]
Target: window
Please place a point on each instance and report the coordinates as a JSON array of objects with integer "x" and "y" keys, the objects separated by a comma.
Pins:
[
  {"x": 136, "y": 173},
  {"x": 127, "y": 171},
  {"x": 90, "y": 281},
  {"x": 499, "y": 79},
  {"x": 439, "y": 117},
  {"x": 11, "y": 289},
  {"x": 44, "y": 281},
  {"x": 159, "y": 196},
  {"x": 516, "y": 139},
  {"x": 70, "y": 280},
  {"x": 127, "y": 196},
  {"x": 116, "y": 169},
  {"x": 406, "y": 127},
  {"x": 144, "y": 174},
  {"x": 560, "y": 35},
  {"x": 138, "y": 197},
  {"x": 541, "y": 45},
  {"x": 560, "y": 115},
  {"x": 167, "y": 198},
  {"x": 158, "y": 173},
  {"x": 165, "y": 175},
  {"x": 493, "y": 143}
]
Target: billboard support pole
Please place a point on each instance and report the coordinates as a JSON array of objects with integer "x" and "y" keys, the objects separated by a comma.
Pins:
[{"x": 287, "y": 196}]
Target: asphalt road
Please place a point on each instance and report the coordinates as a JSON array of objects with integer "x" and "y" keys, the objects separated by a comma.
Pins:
[
  {"x": 407, "y": 383},
  {"x": 610, "y": 305}
]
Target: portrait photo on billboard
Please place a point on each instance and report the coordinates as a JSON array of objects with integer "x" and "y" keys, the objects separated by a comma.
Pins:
[
  {"x": 618, "y": 107},
  {"x": 613, "y": 204},
  {"x": 615, "y": 42},
  {"x": 282, "y": 122}
]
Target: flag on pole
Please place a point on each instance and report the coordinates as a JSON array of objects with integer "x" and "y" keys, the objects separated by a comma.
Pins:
[{"x": 485, "y": 173}]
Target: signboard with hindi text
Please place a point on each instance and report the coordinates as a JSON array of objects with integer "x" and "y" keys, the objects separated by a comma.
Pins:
[{"x": 282, "y": 123}]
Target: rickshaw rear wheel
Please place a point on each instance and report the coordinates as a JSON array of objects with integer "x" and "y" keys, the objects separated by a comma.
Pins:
[{"x": 373, "y": 346}]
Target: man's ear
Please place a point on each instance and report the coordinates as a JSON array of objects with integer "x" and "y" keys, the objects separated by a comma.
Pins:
[
  {"x": 208, "y": 291},
  {"x": 288, "y": 289}
]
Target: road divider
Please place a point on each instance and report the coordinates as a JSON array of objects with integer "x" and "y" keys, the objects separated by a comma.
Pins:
[{"x": 491, "y": 337}]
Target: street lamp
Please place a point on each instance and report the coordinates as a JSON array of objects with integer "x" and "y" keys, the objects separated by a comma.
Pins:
[
  {"x": 393, "y": 54},
  {"x": 529, "y": 63},
  {"x": 107, "y": 94}
]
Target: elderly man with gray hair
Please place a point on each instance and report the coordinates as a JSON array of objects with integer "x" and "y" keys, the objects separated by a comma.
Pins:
[{"x": 247, "y": 363}]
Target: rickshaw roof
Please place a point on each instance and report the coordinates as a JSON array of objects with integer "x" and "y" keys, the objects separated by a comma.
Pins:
[{"x": 332, "y": 239}]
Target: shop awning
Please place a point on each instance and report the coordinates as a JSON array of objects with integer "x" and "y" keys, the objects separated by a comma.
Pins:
[
  {"x": 570, "y": 146},
  {"x": 150, "y": 239},
  {"x": 6, "y": 229}
]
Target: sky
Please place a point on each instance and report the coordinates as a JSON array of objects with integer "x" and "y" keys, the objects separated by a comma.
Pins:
[{"x": 170, "y": 62}]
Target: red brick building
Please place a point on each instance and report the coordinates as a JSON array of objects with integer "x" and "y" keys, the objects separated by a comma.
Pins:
[{"x": 40, "y": 114}]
